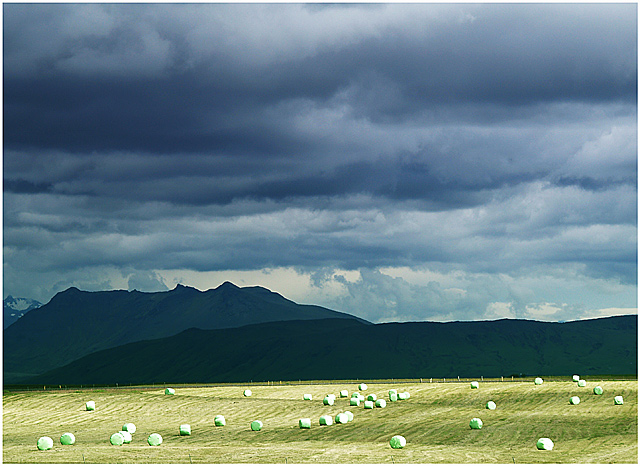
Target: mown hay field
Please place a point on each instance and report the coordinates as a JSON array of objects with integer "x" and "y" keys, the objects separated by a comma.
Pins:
[{"x": 434, "y": 421}]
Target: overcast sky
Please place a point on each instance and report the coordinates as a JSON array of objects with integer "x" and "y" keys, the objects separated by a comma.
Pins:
[{"x": 398, "y": 162}]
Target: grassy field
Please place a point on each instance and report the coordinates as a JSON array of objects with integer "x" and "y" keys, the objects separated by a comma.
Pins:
[{"x": 434, "y": 421}]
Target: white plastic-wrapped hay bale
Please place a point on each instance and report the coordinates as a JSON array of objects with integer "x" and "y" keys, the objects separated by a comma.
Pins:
[
  {"x": 544, "y": 444},
  {"x": 582, "y": 383},
  {"x": 355, "y": 395},
  {"x": 154, "y": 440},
  {"x": 247, "y": 393},
  {"x": 169, "y": 391},
  {"x": 362, "y": 387},
  {"x": 116, "y": 439},
  {"x": 344, "y": 393},
  {"x": 256, "y": 425},
  {"x": 475, "y": 423},
  {"x": 403, "y": 396},
  {"x": 349, "y": 415},
  {"x": 342, "y": 418},
  {"x": 490, "y": 405},
  {"x": 129, "y": 427},
  {"x": 380, "y": 403},
  {"x": 598, "y": 390},
  {"x": 328, "y": 401},
  {"x": 90, "y": 405},
  {"x": 354, "y": 402},
  {"x": 127, "y": 438},
  {"x": 372, "y": 397},
  {"x": 538, "y": 381},
  {"x": 307, "y": 396},
  {"x": 576, "y": 378},
  {"x": 393, "y": 390},
  {"x": 398, "y": 441},
  {"x": 618, "y": 400},
  {"x": 304, "y": 423},
  {"x": 475, "y": 384},
  {"x": 393, "y": 396},
  {"x": 45, "y": 443},
  {"x": 574, "y": 400},
  {"x": 368, "y": 404},
  {"x": 67, "y": 439},
  {"x": 326, "y": 420},
  {"x": 185, "y": 429},
  {"x": 219, "y": 420}
]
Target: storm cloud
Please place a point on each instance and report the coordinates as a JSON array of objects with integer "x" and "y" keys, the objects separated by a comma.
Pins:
[{"x": 395, "y": 161}]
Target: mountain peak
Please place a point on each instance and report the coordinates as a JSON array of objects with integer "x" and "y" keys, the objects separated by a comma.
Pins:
[{"x": 228, "y": 286}]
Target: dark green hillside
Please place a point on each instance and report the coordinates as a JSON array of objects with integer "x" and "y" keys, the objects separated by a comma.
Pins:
[
  {"x": 76, "y": 323},
  {"x": 348, "y": 349}
]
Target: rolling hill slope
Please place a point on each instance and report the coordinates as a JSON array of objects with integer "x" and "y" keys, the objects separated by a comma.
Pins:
[{"x": 348, "y": 349}]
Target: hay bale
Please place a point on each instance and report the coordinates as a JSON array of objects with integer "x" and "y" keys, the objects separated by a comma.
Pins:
[
  {"x": 256, "y": 425},
  {"x": 544, "y": 444},
  {"x": 380, "y": 403},
  {"x": 393, "y": 397},
  {"x": 328, "y": 401},
  {"x": 305, "y": 423},
  {"x": 403, "y": 396},
  {"x": 372, "y": 397},
  {"x": 126, "y": 436},
  {"x": 355, "y": 395},
  {"x": 597, "y": 390},
  {"x": 169, "y": 391},
  {"x": 362, "y": 387},
  {"x": 219, "y": 420},
  {"x": 574, "y": 400},
  {"x": 397, "y": 441},
  {"x": 91, "y": 405},
  {"x": 393, "y": 390},
  {"x": 491, "y": 405},
  {"x": 368, "y": 404},
  {"x": 344, "y": 393},
  {"x": 185, "y": 429},
  {"x": 475, "y": 384},
  {"x": 45, "y": 443},
  {"x": 475, "y": 423},
  {"x": 354, "y": 402},
  {"x": 349, "y": 415},
  {"x": 582, "y": 383},
  {"x": 576, "y": 378},
  {"x": 154, "y": 440},
  {"x": 129, "y": 427},
  {"x": 68, "y": 439},
  {"x": 326, "y": 420},
  {"x": 247, "y": 393},
  {"x": 538, "y": 381},
  {"x": 116, "y": 439},
  {"x": 618, "y": 400},
  {"x": 307, "y": 396},
  {"x": 342, "y": 418}
]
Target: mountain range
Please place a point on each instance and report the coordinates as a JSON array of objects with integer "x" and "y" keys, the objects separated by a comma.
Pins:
[
  {"x": 232, "y": 334},
  {"x": 14, "y": 308}
]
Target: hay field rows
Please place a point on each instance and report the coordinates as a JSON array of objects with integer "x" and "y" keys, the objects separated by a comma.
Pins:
[{"x": 434, "y": 421}]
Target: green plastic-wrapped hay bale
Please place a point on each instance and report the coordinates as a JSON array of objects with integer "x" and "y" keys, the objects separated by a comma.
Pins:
[
  {"x": 68, "y": 439},
  {"x": 368, "y": 404},
  {"x": 582, "y": 383},
  {"x": 618, "y": 400},
  {"x": 397, "y": 441},
  {"x": 129, "y": 427},
  {"x": 305, "y": 423},
  {"x": 256, "y": 425},
  {"x": 90, "y": 405},
  {"x": 380, "y": 403},
  {"x": 598, "y": 390},
  {"x": 349, "y": 415},
  {"x": 219, "y": 420},
  {"x": 127, "y": 438},
  {"x": 393, "y": 397},
  {"x": 475, "y": 384},
  {"x": 169, "y": 391},
  {"x": 116, "y": 439},
  {"x": 490, "y": 405},
  {"x": 576, "y": 378},
  {"x": 538, "y": 381},
  {"x": 45, "y": 443},
  {"x": 154, "y": 440},
  {"x": 247, "y": 393},
  {"x": 362, "y": 387},
  {"x": 574, "y": 400},
  {"x": 544, "y": 444},
  {"x": 475, "y": 423},
  {"x": 307, "y": 396},
  {"x": 342, "y": 418},
  {"x": 328, "y": 401},
  {"x": 344, "y": 393},
  {"x": 372, "y": 397},
  {"x": 185, "y": 429},
  {"x": 354, "y": 402},
  {"x": 326, "y": 420}
]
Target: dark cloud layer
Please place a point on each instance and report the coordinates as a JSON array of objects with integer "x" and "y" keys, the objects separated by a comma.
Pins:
[{"x": 481, "y": 139}]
